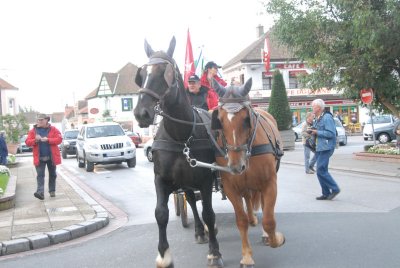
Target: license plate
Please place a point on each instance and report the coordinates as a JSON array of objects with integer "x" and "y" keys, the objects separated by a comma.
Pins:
[{"x": 114, "y": 154}]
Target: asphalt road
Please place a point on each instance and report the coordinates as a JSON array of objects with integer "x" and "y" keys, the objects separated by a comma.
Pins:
[{"x": 358, "y": 229}]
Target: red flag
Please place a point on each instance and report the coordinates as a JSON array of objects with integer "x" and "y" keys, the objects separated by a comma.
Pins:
[
  {"x": 189, "y": 61},
  {"x": 266, "y": 54}
]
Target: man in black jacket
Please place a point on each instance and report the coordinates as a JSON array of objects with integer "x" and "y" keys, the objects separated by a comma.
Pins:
[{"x": 197, "y": 93}]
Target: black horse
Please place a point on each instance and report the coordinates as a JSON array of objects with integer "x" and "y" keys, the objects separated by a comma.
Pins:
[{"x": 162, "y": 92}]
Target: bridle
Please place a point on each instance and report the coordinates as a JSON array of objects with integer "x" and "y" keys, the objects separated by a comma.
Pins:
[{"x": 242, "y": 102}]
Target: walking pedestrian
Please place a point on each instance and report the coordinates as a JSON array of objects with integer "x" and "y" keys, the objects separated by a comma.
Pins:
[
  {"x": 325, "y": 131},
  {"x": 45, "y": 138},
  {"x": 308, "y": 164},
  {"x": 3, "y": 149}
]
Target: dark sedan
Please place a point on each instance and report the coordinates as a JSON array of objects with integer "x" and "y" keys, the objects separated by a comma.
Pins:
[{"x": 385, "y": 134}]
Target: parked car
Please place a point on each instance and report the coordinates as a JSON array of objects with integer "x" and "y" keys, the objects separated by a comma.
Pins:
[
  {"x": 147, "y": 150},
  {"x": 22, "y": 145},
  {"x": 297, "y": 131},
  {"x": 104, "y": 143},
  {"x": 135, "y": 137},
  {"x": 385, "y": 134},
  {"x": 68, "y": 145},
  {"x": 341, "y": 132},
  {"x": 342, "y": 136},
  {"x": 379, "y": 121}
]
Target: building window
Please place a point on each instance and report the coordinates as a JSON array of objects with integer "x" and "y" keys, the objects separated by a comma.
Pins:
[
  {"x": 266, "y": 81},
  {"x": 127, "y": 104},
  {"x": 104, "y": 88}
]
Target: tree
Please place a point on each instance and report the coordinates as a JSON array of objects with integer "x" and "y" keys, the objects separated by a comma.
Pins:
[
  {"x": 279, "y": 104},
  {"x": 350, "y": 44},
  {"x": 15, "y": 126}
]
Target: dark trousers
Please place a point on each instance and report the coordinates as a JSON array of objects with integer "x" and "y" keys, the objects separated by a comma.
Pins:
[{"x": 40, "y": 170}]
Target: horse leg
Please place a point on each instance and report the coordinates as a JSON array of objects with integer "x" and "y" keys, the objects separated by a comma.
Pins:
[
  {"x": 275, "y": 239},
  {"x": 164, "y": 258},
  {"x": 198, "y": 224},
  {"x": 214, "y": 258},
  {"x": 242, "y": 223},
  {"x": 248, "y": 198}
]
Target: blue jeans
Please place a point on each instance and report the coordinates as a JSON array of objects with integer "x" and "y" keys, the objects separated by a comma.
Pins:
[
  {"x": 40, "y": 169},
  {"x": 325, "y": 179},
  {"x": 307, "y": 162}
]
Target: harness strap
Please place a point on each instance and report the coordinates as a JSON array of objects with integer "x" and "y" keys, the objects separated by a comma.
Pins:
[
  {"x": 174, "y": 146},
  {"x": 256, "y": 150}
]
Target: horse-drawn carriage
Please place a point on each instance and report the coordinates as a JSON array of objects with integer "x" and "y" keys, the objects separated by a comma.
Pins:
[{"x": 248, "y": 145}]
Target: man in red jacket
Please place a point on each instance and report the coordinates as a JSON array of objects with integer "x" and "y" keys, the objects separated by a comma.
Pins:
[
  {"x": 210, "y": 72},
  {"x": 44, "y": 139}
]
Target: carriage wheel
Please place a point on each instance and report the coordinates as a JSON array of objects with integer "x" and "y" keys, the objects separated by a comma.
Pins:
[
  {"x": 176, "y": 203},
  {"x": 183, "y": 209}
]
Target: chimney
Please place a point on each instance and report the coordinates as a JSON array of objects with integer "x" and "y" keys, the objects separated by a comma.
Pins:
[{"x": 260, "y": 30}]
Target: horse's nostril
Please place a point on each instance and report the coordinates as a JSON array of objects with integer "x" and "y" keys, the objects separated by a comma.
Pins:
[{"x": 243, "y": 168}]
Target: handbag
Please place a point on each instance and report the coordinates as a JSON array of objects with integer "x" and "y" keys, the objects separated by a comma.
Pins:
[{"x": 310, "y": 143}]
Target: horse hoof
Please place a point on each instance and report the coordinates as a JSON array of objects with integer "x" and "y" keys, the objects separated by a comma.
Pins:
[
  {"x": 201, "y": 239},
  {"x": 246, "y": 265},
  {"x": 279, "y": 240},
  {"x": 215, "y": 262}
]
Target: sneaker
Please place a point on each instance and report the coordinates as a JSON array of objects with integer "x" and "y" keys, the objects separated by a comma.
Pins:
[
  {"x": 322, "y": 197},
  {"x": 333, "y": 195},
  {"x": 309, "y": 172},
  {"x": 52, "y": 194},
  {"x": 39, "y": 195},
  {"x": 311, "y": 168}
]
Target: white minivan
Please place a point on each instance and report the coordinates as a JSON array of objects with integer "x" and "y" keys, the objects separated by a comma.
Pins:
[{"x": 379, "y": 121}]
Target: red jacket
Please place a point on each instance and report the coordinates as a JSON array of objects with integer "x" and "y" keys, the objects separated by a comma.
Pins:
[
  {"x": 55, "y": 139},
  {"x": 212, "y": 96}
]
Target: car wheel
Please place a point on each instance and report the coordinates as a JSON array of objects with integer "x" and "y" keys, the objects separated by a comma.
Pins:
[
  {"x": 131, "y": 162},
  {"x": 89, "y": 166},
  {"x": 384, "y": 138},
  {"x": 149, "y": 155},
  {"x": 344, "y": 142},
  {"x": 81, "y": 164},
  {"x": 64, "y": 154}
]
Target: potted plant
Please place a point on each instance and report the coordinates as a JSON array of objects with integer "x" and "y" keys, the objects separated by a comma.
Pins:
[
  {"x": 279, "y": 108},
  {"x": 14, "y": 126},
  {"x": 4, "y": 178}
]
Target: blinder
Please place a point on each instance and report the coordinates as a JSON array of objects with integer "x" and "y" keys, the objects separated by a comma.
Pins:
[{"x": 215, "y": 123}]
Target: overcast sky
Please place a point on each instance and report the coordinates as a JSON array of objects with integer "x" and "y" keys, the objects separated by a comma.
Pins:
[{"x": 55, "y": 51}]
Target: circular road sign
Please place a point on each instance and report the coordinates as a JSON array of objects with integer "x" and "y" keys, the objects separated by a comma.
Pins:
[{"x": 367, "y": 95}]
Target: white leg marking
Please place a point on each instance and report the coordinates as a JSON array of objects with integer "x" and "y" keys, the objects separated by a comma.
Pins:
[{"x": 166, "y": 261}]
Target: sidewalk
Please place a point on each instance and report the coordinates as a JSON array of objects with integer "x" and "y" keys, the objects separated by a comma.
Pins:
[
  {"x": 346, "y": 162},
  {"x": 33, "y": 224}
]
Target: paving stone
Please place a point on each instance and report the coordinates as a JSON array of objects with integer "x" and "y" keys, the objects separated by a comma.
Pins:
[
  {"x": 59, "y": 236},
  {"x": 76, "y": 230},
  {"x": 15, "y": 246},
  {"x": 39, "y": 241},
  {"x": 90, "y": 226}
]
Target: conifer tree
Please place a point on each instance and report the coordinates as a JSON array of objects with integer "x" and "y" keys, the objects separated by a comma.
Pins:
[{"x": 278, "y": 104}]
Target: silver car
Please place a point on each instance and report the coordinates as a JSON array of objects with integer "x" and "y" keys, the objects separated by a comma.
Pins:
[
  {"x": 341, "y": 132},
  {"x": 104, "y": 143}
]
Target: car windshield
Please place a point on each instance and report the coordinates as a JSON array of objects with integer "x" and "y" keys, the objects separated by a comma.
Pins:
[
  {"x": 71, "y": 135},
  {"x": 379, "y": 119},
  {"x": 104, "y": 131}
]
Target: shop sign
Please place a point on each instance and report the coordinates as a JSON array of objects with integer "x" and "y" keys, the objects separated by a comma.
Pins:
[{"x": 94, "y": 111}]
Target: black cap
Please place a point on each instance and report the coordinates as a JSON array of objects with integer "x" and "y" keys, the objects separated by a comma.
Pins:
[
  {"x": 194, "y": 78},
  {"x": 211, "y": 64}
]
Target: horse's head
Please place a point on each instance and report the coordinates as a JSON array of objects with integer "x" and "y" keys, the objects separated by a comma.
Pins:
[
  {"x": 235, "y": 118},
  {"x": 156, "y": 79}
]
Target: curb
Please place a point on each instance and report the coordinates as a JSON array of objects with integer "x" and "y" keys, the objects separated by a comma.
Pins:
[
  {"x": 355, "y": 170},
  {"x": 65, "y": 234}
]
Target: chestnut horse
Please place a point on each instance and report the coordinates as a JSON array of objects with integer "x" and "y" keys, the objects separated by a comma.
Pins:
[
  {"x": 182, "y": 128},
  {"x": 252, "y": 143}
]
